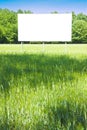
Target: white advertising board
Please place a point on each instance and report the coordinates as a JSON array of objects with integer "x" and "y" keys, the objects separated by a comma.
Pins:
[{"x": 45, "y": 27}]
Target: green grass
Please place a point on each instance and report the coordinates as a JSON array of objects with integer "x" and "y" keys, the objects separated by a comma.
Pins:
[{"x": 43, "y": 88}]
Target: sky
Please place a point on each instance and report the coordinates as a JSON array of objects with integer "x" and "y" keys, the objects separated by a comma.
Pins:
[{"x": 46, "y": 6}]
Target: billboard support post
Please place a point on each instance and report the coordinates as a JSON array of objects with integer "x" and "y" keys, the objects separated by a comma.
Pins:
[
  {"x": 43, "y": 48},
  {"x": 21, "y": 46},
  {"x": 65, "y": 47}
]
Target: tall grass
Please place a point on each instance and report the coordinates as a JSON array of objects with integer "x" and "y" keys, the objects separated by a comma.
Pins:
[{"x": 43, "y": 91}]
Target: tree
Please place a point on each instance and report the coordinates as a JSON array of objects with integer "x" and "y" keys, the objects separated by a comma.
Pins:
[
  {"x": 1, "y": 34},
  {"x": 20, "y": 11},
  {"x": 73, "y": 17},
  {"x": 24, "y": 11},
  {"x": 82, "y": 16},
  {"x": 8, "y": 23},
  {"x": 54, "y": 12},
  {"x": 79, "y": 31},
  {"x": 9, "y": 31},
  {"x": 27, "y": 12}
]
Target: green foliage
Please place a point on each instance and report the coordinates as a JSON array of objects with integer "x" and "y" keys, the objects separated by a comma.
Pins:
[
  {"x": 24, "y": 11},
  {"x": 82, "y": 16},
  {"x": 79, "y": 31},
  {"x": 2, "y": 34},
  {"x": 8, "y": 21},
  {"x": 73, "y": 17},
  {"x": 54, "y": 12},
  {"x": 11, "y": 33},
  {"x": 79, "y": 28},
  {"x": 8, "y": 26}
]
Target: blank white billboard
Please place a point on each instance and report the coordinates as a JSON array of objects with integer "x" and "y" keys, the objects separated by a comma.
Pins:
[{"x": 44, "y": 27}]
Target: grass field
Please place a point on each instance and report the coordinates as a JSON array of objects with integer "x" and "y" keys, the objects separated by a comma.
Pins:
[{"x": 43, "y": 87}]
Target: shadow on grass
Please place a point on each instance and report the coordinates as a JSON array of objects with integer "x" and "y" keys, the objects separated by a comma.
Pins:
[
  {"x": 61, "y": 118},
  {"x": 34, "y": 70}
]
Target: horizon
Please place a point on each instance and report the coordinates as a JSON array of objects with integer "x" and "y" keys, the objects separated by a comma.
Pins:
[{"x": 46, "y": 6}]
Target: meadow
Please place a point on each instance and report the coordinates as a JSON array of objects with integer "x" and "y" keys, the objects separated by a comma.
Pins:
[{"x": 43, "y": 87}]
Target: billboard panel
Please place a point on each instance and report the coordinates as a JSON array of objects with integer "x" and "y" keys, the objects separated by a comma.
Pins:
[{"x": 44, "y": 27}]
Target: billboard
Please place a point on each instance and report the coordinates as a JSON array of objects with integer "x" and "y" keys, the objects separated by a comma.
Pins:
[{"x": 45, "y": 27}]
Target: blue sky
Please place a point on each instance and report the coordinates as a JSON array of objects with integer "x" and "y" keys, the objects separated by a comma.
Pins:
[{"x": 46, "y": 6}]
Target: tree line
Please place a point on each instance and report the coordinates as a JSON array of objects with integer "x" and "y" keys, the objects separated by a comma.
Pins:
[{"x": 9, "y": 27}]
